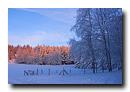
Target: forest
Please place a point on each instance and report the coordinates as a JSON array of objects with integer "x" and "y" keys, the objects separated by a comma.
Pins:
[
  {"x": 100, "y": 38},
  {"x": 49, "y": 55}
]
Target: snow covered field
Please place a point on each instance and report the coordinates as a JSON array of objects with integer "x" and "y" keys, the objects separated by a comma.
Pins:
[{"x": 75, "y": 76}]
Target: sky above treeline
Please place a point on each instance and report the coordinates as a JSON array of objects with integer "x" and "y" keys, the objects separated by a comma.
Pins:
[{"x": 38, "y": 26}]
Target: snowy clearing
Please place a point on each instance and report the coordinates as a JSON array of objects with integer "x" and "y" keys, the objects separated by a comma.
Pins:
[{"x": 75, "y": 76}]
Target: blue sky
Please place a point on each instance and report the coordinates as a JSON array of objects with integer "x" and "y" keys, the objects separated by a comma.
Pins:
[{"x": 38, "y": 26}]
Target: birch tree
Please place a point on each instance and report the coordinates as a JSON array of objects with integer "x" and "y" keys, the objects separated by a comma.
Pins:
[
  {"x": 84, "y": 30},
  {"x": 99, "y": 30}
]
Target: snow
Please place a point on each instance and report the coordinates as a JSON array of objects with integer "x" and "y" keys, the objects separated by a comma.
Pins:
[{"x": 75, "y": 76}]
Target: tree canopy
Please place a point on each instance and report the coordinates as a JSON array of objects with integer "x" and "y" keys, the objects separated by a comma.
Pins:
[{"x": 50, "y": 55}]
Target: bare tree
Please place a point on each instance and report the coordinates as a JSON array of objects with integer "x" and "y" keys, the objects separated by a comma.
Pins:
[
  {"x": 57, "y": 58},
  {"x": 96, "y": 29}
]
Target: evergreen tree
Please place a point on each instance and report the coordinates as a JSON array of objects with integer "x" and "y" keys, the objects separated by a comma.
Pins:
[{"x": 49, "y": 55}]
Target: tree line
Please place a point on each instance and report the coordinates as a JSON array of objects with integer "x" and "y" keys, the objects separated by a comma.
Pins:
[
  {"x": 54, "y": 55},
  {"x": 100, "y": 38}
]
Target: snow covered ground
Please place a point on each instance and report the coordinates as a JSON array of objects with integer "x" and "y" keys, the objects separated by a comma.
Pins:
[{"x": 75, "y": 76}]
